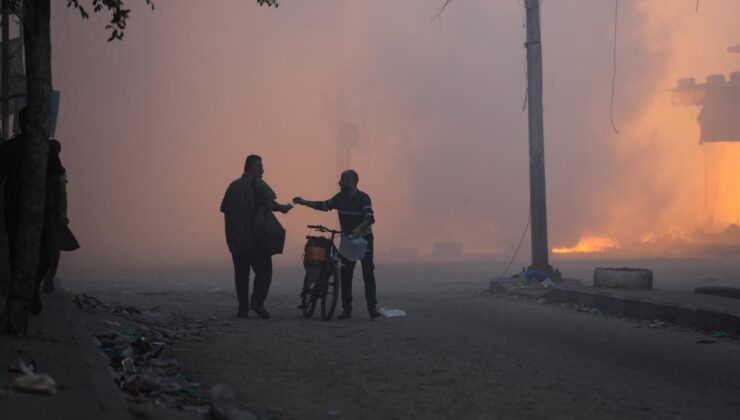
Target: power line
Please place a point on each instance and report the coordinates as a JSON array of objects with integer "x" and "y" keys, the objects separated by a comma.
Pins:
[
  {"x": 521, "y": 241},
  {"x": 614, "y": 74}
]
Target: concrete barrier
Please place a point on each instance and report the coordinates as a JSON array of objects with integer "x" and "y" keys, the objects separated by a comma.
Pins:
[{"x": 623, "y": 278}]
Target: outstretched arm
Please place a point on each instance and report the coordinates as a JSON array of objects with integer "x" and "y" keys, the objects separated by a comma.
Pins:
[{"x": 316, "y": 205}]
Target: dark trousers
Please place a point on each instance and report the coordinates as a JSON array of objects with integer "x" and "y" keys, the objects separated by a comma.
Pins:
[
  {"x": 368, "y": 276},
  {"x": 261, "y": 264}
]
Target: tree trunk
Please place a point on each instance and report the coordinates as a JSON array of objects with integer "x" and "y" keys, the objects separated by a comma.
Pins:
[
  {"x": 31, "y": 218},
  {"x": 5, "y": 274},
  {"x": 6, "y": 277}
]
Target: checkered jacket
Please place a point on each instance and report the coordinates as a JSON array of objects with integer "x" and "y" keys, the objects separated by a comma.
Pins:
[{"x": 240, "y": 201}]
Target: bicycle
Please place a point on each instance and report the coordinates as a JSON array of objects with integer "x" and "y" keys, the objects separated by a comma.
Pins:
[{"x": 323, "y": 275}]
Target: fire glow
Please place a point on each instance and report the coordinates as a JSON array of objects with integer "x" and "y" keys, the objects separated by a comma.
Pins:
[{"x": 589, "y": 244}]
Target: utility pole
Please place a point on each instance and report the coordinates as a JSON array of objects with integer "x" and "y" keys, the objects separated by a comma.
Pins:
[
  {"x": 537, "y": 192},
  {"x": 6, "y": 70}
]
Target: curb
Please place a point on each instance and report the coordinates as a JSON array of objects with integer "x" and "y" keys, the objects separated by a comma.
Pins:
[
  {"x": 59, "y": 341},
  {"x": 689, "y": 315},
  {"x": 109, "y": 401}
]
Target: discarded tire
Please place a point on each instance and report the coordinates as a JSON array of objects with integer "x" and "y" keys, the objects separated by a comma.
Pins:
[{"x": 623, "y": 278}]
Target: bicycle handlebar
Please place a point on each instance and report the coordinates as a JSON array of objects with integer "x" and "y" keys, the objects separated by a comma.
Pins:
[{"x": 321, "y": 228}]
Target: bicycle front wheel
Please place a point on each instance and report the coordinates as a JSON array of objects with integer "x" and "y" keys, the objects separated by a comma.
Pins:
[
  {"x": 308, "y": 295},
  {"x": 330, "y": 292}
]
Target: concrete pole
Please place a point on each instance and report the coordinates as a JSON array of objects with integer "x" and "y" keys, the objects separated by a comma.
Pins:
[
  {"x": 6, "y": 71},
  {"x": 537, "y": 192}
]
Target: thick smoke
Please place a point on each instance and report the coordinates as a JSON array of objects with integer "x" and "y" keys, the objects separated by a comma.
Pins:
[{"x": 155, "y": 127}]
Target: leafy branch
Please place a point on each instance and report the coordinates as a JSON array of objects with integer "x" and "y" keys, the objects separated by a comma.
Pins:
[{"x": 120, "y": 14}]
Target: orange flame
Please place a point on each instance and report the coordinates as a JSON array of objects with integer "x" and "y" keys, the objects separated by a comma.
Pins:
[{"x": 589, "y": 244}]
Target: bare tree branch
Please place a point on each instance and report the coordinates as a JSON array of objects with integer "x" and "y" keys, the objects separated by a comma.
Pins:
[{"x": 438, "y": 15}]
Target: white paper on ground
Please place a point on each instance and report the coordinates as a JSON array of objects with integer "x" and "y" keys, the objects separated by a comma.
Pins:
[{"x": 391, "y": 313}]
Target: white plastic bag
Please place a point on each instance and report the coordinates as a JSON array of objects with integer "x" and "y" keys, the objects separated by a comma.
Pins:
[
  {"x": 353, "y": 248},
  {"x": 391, "y": 313}
]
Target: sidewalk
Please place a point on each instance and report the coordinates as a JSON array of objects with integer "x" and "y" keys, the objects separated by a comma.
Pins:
[
  {"x": 706, "y": 312},
  {"x": 60, "y": 344}
]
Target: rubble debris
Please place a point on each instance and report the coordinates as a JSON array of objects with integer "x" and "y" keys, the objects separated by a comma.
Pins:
[{"x": 140, "y": 353}]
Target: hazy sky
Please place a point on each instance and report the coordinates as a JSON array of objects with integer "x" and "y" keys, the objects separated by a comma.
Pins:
[{"x": 155, "y": 127}]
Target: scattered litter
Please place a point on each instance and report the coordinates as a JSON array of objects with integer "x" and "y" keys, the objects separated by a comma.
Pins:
[
  {"x": 333, "y": 413},
  {"x": 391, "y": 313},
  {"x": 657, "y": 324},
  {"x": 125, "y": 311},
  {"x": 546, "y": 284},
  {"x": 131, "y": 385},
  {"x": 533, "y": 274},
  {"x": 595, "y": 311},
  {"x": 141, "y": 358},
  {"x": 720, "y": 334},
  {"x": 706, "y": 341},
  {"x": 530, "y": 279},
  {"x": 35, "y": 383},
  {"x": 128, "y": 366}
]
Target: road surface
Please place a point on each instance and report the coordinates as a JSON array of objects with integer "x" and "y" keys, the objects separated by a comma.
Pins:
[{"x": 458, "y": 354}]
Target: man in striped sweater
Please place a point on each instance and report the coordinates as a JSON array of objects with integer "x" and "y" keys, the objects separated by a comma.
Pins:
[{"x": 356, "y": 217}]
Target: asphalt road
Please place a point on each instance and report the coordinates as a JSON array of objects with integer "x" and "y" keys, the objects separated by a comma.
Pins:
[{"x": 457, "y": 354}]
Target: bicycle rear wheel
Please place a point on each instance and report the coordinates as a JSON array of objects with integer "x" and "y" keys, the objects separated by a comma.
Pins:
[
  {"x": 308, "y": 294},
  {"x": 330, "y": 292}
]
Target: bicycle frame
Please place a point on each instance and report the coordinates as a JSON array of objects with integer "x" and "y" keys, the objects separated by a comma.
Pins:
[{"x": 327, "y": 278}]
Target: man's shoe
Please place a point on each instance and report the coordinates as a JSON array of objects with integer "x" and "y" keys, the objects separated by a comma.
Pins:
[
  {"x": 262, "y": 313},
  {"x": 374, "y": 313},
  {"x": 345, "y": 314},
  {"x": 242, "y": 314}
]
